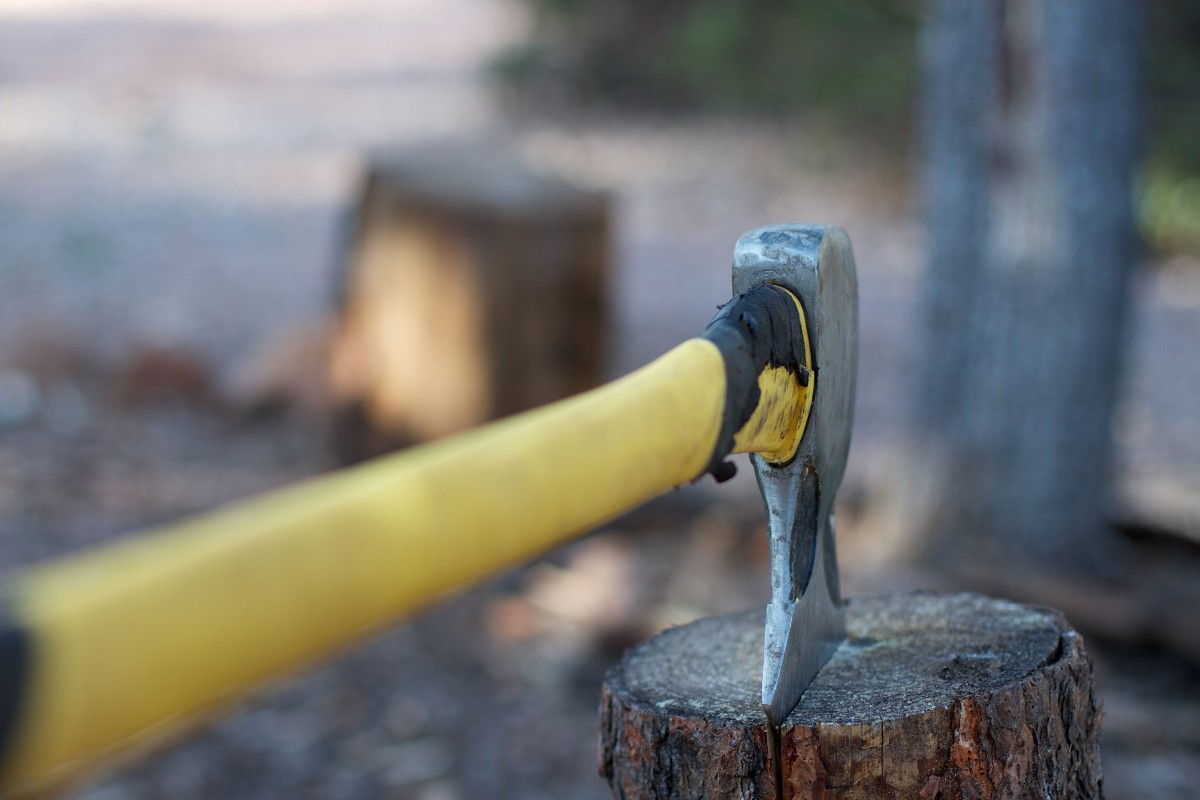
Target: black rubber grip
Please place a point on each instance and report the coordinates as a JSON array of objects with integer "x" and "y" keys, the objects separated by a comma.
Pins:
[{"x": 757, "y": 329}]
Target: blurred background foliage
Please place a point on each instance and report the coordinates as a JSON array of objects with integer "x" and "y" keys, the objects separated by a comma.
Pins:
[
  {"x": 848, "y": 67},
  {"x": 1169, "y": 191},
  {"x": 853, "y": 61}
]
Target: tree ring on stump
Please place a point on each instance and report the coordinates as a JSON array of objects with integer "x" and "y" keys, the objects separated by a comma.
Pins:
[{"x": 931, "y": 696}]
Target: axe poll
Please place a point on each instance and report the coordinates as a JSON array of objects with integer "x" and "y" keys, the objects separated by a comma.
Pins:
[{"x": 108, "y": 650}]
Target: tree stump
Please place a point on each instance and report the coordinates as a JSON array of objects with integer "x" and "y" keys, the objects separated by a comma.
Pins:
[
  {"x": 472, "y": 288},
  {"x": 931, "y": 696}
]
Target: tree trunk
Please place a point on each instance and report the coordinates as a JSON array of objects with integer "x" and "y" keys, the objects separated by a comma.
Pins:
[
  {"x": 1030, "y": 137},
  {"x": 954, "y": 696}
]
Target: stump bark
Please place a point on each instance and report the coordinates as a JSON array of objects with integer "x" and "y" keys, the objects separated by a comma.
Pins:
[
  {"x": 472, "y": 288},
  {"x": 931, "y": 696}
]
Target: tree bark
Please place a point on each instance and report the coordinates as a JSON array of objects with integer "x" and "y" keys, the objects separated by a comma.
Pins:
[
  {"x": 954, "y": 696},
  {"x": 1030, "y": 136}
]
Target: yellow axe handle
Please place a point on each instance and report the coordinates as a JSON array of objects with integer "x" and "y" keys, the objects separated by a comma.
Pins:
[{"x": 129, "y": 641}]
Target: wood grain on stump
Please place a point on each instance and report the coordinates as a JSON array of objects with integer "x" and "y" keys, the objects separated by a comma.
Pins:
[{"x": 931, "y": 696}]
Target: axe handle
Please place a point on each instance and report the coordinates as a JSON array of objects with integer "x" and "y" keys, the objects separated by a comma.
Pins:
[{"x": 117, "y": 647}]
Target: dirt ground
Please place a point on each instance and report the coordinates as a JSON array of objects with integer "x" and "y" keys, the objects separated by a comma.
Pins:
[{"x": 177, "y": 177}]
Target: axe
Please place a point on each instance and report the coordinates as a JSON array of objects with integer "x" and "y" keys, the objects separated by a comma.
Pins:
[{"x": 107, "y": 651}]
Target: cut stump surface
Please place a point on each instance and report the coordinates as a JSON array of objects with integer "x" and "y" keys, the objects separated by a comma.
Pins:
[{"x": 931, "y": 696}]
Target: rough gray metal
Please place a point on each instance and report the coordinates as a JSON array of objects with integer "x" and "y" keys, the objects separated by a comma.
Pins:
[{"x": 804, "y": 622}]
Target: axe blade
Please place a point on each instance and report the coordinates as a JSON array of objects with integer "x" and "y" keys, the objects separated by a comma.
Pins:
[{"x": 805, "y": 621}]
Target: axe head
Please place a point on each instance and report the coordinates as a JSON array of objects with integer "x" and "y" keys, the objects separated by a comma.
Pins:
[{"x": 805, "y": 621}]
